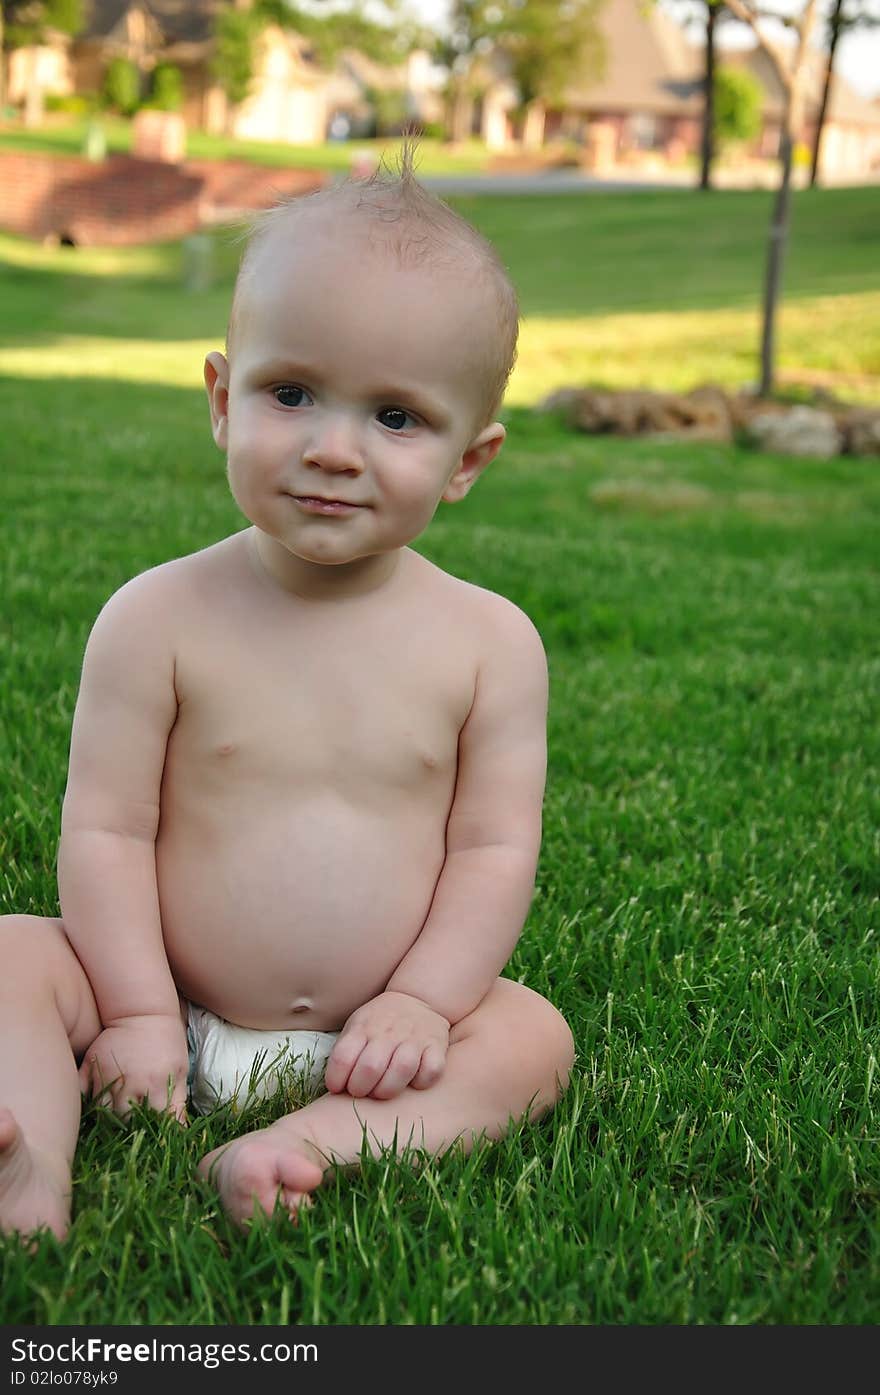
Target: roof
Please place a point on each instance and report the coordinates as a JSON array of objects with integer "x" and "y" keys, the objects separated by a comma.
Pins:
[
  {"x": 653, "y": 67},
  {"x": 183, "y": 30},
  {"x": 650, "y": 64},
  {"x": 367, "y": 73},
  {"x": 180, "y": 21}
]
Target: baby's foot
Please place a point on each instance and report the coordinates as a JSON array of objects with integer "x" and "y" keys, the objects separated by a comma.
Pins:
[
  {"x": 259, "y": 1169},
  {"x": 32, "y": 1194}
]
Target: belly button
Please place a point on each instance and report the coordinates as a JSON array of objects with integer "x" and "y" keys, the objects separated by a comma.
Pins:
[
  {"x": 301, "y": 1005},
  {"x": 226, "y": 749}
]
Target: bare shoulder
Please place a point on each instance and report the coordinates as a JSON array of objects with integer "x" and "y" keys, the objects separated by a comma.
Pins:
[
  {"x": 145, "y": 621},
  {"x": 160, "y": 593},
  {"x": 506, "y": 638}
]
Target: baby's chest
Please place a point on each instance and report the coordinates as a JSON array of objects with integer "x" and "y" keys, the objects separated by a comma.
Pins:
[{"x": 329, "y": 716}]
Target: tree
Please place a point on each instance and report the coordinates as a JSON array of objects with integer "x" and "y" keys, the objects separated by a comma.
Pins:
[
  {"x": 387, "y": 36},
  {"x": 843, "y": 17},
  {"x": 707, "y": 143},
  {"x": 457, "y": 52},
  {"x": 708, "y": 15},
  {"x": 27, "y": 24},
  {"x": 235, "y": 33},
  {"x": 547, "y": 43},
  {"x": 792, "y": 69}
]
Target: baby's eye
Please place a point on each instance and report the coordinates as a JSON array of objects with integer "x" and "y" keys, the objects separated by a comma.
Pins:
[
  {"x": 395, "y": 418},
  {"x": 289, "y": 395}
]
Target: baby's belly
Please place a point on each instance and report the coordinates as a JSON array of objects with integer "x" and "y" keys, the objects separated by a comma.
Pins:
[{"x": 274, "y": 917}]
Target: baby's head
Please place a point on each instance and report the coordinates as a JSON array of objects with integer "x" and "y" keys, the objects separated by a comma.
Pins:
[
  {"x": 391, "y": 216},
  {"x": 370, "y": 341}
]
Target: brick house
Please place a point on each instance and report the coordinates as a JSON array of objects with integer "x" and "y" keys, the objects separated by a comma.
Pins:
[
  {"x": 292, "y": 97},
  {"x": 649, "y": 99}
]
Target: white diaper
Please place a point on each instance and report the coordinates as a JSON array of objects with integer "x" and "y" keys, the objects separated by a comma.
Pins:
[{"x": 241, "y": 1064}]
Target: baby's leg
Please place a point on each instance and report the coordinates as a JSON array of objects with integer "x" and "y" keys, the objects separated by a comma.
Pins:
[
  {"x": 47, "y": 1018},
  {"x": 511, "y": 1055}
]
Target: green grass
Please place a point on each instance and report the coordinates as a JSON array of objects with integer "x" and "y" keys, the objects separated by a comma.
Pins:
[
  {"x": 706, "y": 911},
  {"x": 67, "y": 136},
  {"x": 657, "y": 288}
]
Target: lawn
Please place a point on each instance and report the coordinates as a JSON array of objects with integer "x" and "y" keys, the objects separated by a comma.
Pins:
[
  {"x": 661, "y": 288},
  {"x": 706, "y": 909},
  {"x": 61, "y": 135}
]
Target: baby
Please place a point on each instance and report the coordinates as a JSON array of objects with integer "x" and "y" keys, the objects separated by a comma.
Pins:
[{"x": 306, "y": 773}]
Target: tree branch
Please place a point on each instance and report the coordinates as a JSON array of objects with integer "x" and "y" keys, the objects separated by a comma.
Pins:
[{"x": 751, "y": 16}]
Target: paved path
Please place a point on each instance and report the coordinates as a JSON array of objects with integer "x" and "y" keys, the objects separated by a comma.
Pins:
[{"x": 548, "y": 182}]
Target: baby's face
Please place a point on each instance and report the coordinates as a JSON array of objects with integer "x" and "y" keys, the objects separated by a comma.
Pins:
[{"x": 355, "y": 388}]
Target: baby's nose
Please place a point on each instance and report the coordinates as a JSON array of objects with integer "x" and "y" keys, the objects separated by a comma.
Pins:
[{"x": 334, "y": 445}]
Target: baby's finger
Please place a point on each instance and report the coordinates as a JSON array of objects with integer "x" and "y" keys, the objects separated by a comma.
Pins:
[
  {"x": 116, "y": 1097},
  {"x": 433, "y": 1063},
  {"x": 177, "y": 1106},
  {"x": 169, "y": 1097},
  {"x": 104, "y": 1089},
  {"x": 370, "y": 1067},
  {"x": 401, "y": 1069},
  {"x": 342, "y": 1059},
  {"x": 91, "y": 1077}
]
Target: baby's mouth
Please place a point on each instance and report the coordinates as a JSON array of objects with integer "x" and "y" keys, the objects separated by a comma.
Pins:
[{"x": 314, "y": 504}]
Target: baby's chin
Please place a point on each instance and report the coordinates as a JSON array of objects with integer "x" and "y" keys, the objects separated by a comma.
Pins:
[{"x": 301, "y": 568}]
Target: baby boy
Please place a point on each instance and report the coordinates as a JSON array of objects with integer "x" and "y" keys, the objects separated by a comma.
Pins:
[{"x": 307, "y": 766}]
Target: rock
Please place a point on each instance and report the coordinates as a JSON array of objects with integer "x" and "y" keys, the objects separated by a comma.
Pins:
[
  {"x": 562, "y": 400},
  {"x": 861, "y": 430},
  {"x": 796, "y": 431},
  {"x": 706, "y": 414},
  {"x": 746, "y": 405},
  {"x": 700, "y": 415}
]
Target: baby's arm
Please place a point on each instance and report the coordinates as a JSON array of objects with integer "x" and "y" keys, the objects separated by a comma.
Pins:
[
  {"x": 483, "y": 895},
  {"x": 106, "y": 859}
]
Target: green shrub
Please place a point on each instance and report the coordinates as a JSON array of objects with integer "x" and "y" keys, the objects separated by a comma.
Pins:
[
  {"x": 166, "y": 89},
  {"x": 738, "y": 103},
  {"x": 122, "y": 86},
  {"x": 73, "y": 103}
]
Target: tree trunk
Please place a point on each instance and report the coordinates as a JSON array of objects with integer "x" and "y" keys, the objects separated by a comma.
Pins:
[
  {"x": 533, "y": 130},
  {"x": 835, "y": 26},
  {"x": 33, "y": 97},
  {"x": 775, "y": 258},
  {"x": 462, "y": 120},
  {"x": 708, "y": 144},
  {"x": 793, "y": 77}
]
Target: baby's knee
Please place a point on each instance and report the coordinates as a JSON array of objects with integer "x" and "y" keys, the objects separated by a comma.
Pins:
[
  {"x": 556, "y": 1040},
  {"x": 540, "y": 1033},
  {"x": 31, "y": 946},
  {"x": 41, "y": 969}
]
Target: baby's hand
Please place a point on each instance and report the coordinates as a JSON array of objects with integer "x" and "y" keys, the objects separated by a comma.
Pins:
[
  {"x": 389, "y": 1043},
  {"x": 134, "y": 1060}
]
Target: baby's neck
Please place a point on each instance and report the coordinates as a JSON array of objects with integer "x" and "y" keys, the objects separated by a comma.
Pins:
[{"x": 315, "y": 581}]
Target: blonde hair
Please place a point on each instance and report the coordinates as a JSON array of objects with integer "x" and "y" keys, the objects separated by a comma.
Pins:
[{"x": 418, "y": 229}]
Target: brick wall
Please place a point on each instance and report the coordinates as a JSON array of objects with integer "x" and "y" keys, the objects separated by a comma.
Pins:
[{"x": 122, "y": 200}]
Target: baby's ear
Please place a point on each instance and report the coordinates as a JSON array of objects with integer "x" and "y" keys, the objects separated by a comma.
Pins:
[
  {"x": 480, "y": 453},
  {"x": 217, "y": 384}
]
